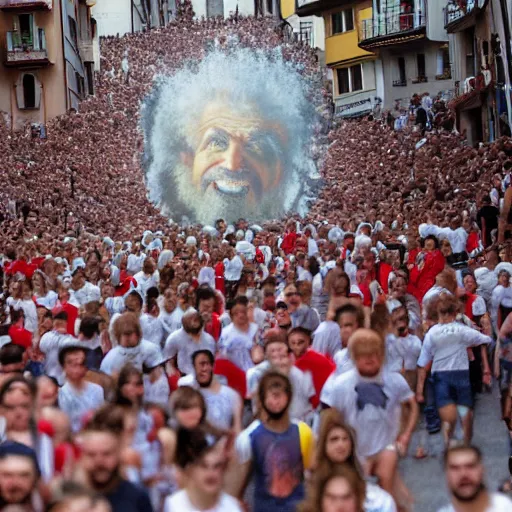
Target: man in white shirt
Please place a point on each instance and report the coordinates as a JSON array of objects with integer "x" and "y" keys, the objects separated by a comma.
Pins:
[
  {"x": 370, "y": 398},
  {"x": 446, "y": 344},
  {"x": 77, "y": 397},
  {"x": 233, "y": 266},
  {"x": 239, "y": 337},
  {"x": 173, "y": 307},
  {"x": 465, "y": 478},
  {"x": 223, "y": 404},
  {"x": 147, "y": 278},
  {"x": 132, "y": 348},
  {"x": 278, "y": 357},
  {"x": 187, "y": 340},
  {"x": 52, "y": 342},
  {"x": 83, "y": 292}
]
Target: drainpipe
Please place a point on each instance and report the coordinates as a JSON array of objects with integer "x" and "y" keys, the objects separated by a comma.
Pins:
[
  {"x": 43, "y": 97},
  {"x": 131, "y": 12},
  {"x": 12, "y": 107}
]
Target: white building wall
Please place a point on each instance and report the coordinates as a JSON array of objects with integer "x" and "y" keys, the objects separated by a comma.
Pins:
[
  {"x": 112, "y": 17},
  {"x": 435, "y": 20},
  {"x": 245, "y": 7}
]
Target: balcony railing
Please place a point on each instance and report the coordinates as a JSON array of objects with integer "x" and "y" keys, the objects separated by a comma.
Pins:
[
  {"x": 399, "y": 83},
  {"x": 456, "y": 10},
  {"x": 12, "y": 5},
  {"x": 26, "y": 48},
  {"x": 386, "y": 24}
]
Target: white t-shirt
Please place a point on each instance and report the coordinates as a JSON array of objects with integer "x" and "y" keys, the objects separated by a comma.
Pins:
[
  {"x": 145, "y": 353},
  {"x": 50, "y": 345},
  {"x": 327, "y": 338},
  {"x": 157, "y": 392},
  {"x": 76, "y": 404},
  {"x": 88, "y": 293},
  {"x": 180, "y": 502},
  {"x": 48, "y": 301},
  {"x": 153, "y": 329},
  {"x": 29, "y": 310},
  {"x": 236, "y": 345},
  {"x": 145, "y": 282},
  {"x": 221, "y": 407},
  {"x": 344, "y": 363},
  {"x": 378, "y": 500},
  {"x": 183, "y": 345},
  {"x": 499, "y": 503},
  {"x": 171, "y": 321},
  {"x": 371, "y": 407},
  {"x": 446, "y": 345},
  {"x": 134, "y": 263},
  {"x": 402, "y": 352},
  {"x": 233, "y": 268}
]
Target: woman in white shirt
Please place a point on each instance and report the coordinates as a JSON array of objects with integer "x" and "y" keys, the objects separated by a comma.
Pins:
[
  {"x": 203, "y": 463},
  {"x": 336, "y": 447}
]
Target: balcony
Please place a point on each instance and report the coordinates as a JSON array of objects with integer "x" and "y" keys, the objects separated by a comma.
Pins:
[
  {"x": 316, "y": 7},
  {"x": 26, "y": 49},
  {"x": 421, "y": 79},
  {"x": 391, "y": 29},
  {"x": 473, "y": 92},
  {"x": 399, "y": 83},
  {"x": 86, "y": 51},
  {"x": 462, "y": 14},
  {"x": 26, "y": 5}
]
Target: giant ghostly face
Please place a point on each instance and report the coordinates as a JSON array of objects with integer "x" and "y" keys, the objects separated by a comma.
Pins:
[{"x": 227, "y": 138}]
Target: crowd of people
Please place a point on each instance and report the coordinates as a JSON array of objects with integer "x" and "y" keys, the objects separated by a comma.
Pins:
[{"x": 154, "y": 365}]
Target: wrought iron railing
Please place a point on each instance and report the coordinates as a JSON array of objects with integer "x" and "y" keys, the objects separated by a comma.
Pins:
[{"x": 385, "y": 24}]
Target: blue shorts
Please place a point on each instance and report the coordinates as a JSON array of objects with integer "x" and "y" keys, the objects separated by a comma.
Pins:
[{"x": 453, "y": 387}]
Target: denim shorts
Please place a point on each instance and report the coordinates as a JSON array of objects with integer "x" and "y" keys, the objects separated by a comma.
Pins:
[{"x": 453, "y": 387}]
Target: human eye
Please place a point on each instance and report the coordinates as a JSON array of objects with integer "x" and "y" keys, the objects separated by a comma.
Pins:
[{"x": 217, "y": 142}]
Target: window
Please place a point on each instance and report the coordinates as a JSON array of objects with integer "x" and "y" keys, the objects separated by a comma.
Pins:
[
  {"x": 29, "y": 90},
  {"x": 72, "y": 31},
  {"x": 214, "y": 8},
  {"x": 270, "y": 7},
  {"x": 350, "y": 79},
  {"x": 342, "y": 21},
  {"x": 90, "y": 77},
  {"x": 420, "y": 61},
  {"x": 80, "y": 85},
  {"x": 401, "y": 70},
  {"x": 306, "y": 32},
  {"x": 443, "y": 61},
  {"x": 470, "y": 53},
  {"x": 26, "y": 29}
]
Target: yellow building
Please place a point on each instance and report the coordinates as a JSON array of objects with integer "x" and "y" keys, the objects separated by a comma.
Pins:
[{"x": 354, "y": 70}]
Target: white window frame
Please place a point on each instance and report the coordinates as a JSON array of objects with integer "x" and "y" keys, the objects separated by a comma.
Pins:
[
  {"x": 350, "y": 91},
  {"x": 343, "y": 21}
]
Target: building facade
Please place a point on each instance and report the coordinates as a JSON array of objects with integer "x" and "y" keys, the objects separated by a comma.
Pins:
[
  {"x": 355, "y": 73},
  {"x": 47, "y": 58},
  {"x": 120, "y": 17},
  {"x": 308, "y": 29},
  {"x": 412, "y": 45}
]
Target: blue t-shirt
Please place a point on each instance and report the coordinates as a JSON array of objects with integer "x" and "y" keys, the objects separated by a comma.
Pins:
[{"x": 278, "y": 460}]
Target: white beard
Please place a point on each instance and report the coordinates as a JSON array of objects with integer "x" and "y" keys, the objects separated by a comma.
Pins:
[{"x": 209, "y": 206}]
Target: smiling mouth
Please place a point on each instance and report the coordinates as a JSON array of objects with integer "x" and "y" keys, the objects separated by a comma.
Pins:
[{"x": 231, "y": 188}]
